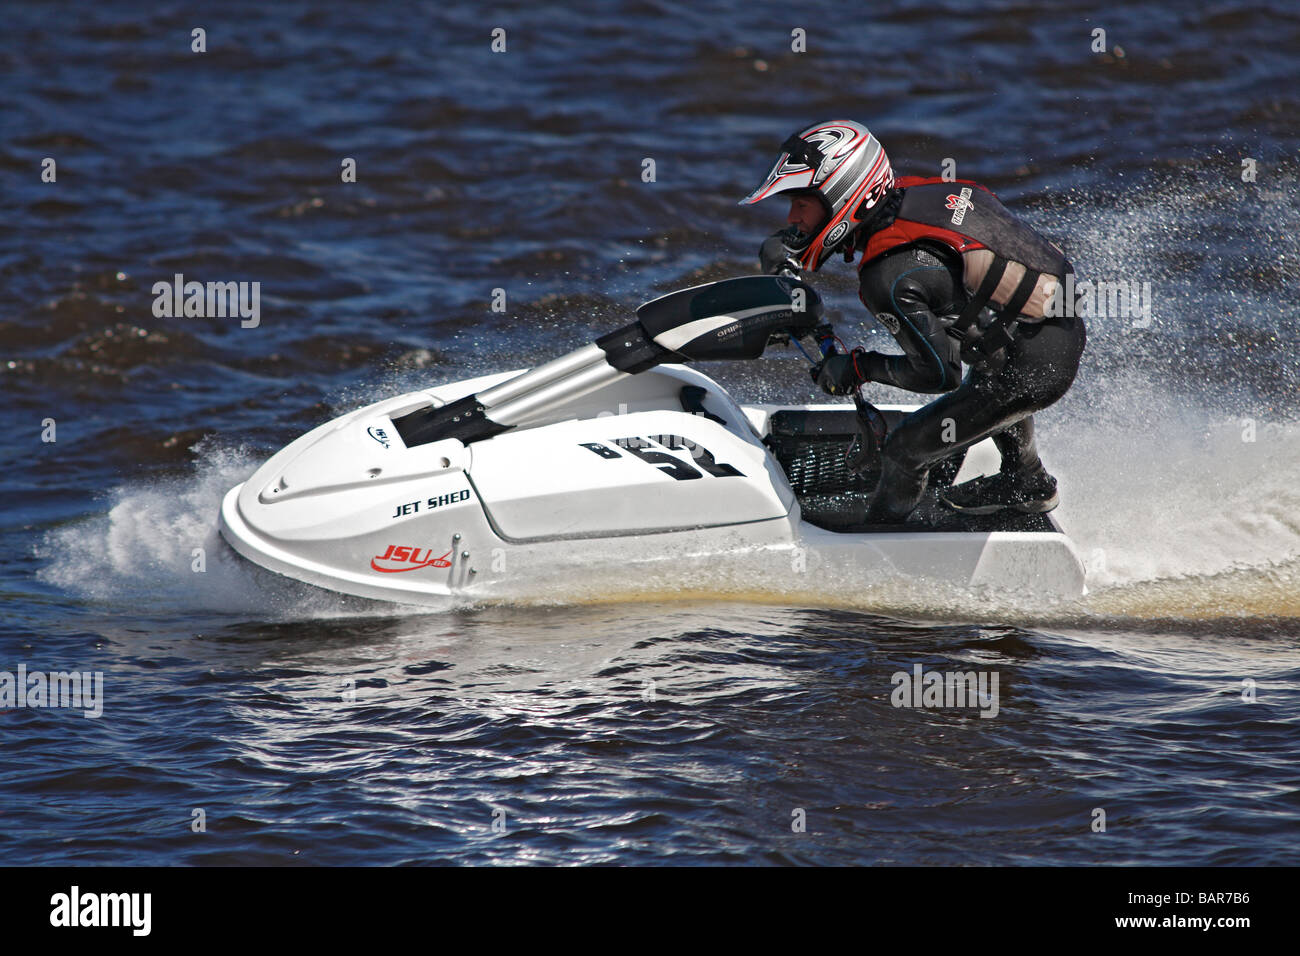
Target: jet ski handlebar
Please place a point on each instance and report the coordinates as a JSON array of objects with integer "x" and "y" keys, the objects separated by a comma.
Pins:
[{"x": 732, "y": 319}]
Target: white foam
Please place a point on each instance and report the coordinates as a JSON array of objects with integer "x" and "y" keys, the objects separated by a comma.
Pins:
[{"x": 144, "y": 550}]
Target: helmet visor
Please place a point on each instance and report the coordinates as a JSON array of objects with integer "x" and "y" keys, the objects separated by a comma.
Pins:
[{"x": 793, "y": 169}]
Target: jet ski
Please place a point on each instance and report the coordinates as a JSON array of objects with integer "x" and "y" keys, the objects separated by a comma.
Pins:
[{"x": 620, "y": 453}]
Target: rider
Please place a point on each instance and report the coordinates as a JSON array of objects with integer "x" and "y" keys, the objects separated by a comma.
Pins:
[{"x": 955, "y": 278}]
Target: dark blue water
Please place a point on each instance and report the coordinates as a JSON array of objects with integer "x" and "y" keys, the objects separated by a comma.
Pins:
[{"x": 685, "y": 727}]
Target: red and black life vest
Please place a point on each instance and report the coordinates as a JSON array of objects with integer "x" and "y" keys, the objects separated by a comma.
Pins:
[{"x": 969, "y": 219}]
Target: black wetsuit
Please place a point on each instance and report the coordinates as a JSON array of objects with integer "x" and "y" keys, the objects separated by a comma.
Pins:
[{"x": 918, "y": 288}]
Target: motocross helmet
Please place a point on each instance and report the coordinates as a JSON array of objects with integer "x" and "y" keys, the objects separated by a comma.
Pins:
[{"x": 845, "y": 167}]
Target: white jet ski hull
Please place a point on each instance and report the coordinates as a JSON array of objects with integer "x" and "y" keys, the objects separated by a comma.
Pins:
[{"x": 621, "y": 487}]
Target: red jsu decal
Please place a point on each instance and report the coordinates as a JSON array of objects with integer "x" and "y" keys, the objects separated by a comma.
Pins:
[{"x": 409, "y": 559}]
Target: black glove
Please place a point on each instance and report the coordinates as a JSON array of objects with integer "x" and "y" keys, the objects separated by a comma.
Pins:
[
  {"x": 774, "y": 257},
  {"x": 838, "y": 374}
]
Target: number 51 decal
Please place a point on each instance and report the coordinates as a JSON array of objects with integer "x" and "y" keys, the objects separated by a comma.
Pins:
[{"x": 670, "y": 465}]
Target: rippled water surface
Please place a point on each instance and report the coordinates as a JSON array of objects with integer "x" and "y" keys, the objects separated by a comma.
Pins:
[{"x": 698, "y": 721}]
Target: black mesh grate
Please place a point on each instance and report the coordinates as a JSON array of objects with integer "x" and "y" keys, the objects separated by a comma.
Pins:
[
  {"x": 830, "y": 493},
  {"x": 820, "y": 465}
]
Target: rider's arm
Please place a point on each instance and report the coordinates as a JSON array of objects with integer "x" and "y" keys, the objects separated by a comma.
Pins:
[{"x": 908, "y": 290}]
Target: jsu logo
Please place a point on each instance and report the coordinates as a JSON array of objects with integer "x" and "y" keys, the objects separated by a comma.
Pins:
[{"x": 403, "y": 558}]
